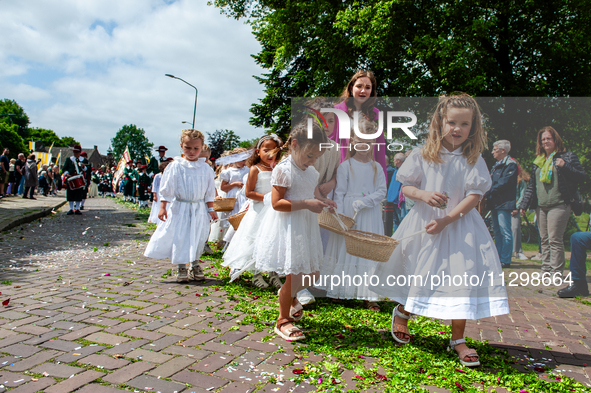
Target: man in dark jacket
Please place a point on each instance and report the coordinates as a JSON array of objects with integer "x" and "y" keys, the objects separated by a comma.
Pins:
[{"x": 501, "y": 199}]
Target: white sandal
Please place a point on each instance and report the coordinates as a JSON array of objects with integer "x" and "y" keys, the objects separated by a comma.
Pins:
[
  {"x": 259, "y": 282},
  {"x": 470, "y": 352},
  {"x": 275, "y": 281},
  {"x": 289, "y": 331},
  {"x": 398, "y": 313}
]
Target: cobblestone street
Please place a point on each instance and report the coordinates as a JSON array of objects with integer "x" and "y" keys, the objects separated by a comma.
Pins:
[{"x": 88, "y": 312}]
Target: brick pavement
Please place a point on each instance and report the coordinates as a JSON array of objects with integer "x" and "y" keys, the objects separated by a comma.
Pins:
[{"x": 89, "y": 313}]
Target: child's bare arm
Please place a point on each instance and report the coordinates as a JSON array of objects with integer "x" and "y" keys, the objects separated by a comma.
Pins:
[
  {"x": 285, "y": 205},
  {"x": 251, "y": 182},
  {"x": 464, "y": 207},
  {"x": 432, "y": 198}
]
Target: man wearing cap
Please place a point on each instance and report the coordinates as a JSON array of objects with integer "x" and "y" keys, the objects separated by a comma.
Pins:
[
  {"x": 155, "y": 162},
  {"x": 144, "y": 182},
  {"x": 74, "y": 166},
  {"x": 87, "y": 176}
]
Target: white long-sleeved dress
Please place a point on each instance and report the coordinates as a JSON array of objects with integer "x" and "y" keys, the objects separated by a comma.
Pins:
[
  {"x": 232, "y": 175},
  {"x": 355, "y": 181},
  {"x": 156, "y": 204},
  {"x": 181, "y": 238},
  {"x": 463, "y": 248}
]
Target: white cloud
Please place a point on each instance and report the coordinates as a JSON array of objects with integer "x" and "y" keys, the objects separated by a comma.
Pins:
[{"x": 85, "y": 68}]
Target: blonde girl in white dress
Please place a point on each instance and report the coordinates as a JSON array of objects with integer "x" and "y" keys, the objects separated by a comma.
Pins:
[
  {"x": 188, "y": 184},
  {"x": 361, "y": 186},
  {"x": 447, "y": 177},
  {"x": 289, "y": 237},
  {"x": 238, "y": 256}
]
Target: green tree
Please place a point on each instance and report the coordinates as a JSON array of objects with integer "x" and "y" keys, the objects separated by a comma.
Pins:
[
  {"x": 248, "y": 143},
  {"x": 222, "y": 140},
  {"x": 422, "y": 48},
  {"x": 68, "y": 141},
  {"x": 12, "y": 113},
  {"x": 133, "y": 137},
  {"x": 48, "y": 137},
  {"x": 10, "y": 138}
]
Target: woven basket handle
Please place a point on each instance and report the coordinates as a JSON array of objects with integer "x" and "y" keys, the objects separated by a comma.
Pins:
[
  {"x": 414, "y": 234},
  {"x": 343, "y": 226}
]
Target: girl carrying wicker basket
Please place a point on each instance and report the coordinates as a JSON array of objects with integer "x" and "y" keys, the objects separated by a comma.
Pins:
[
  {"x": 361, "y": 186},
  {"x": 238, "y": 256},
  {"x": 447, "y": 177},
  {"x": 289, "y": 241}
]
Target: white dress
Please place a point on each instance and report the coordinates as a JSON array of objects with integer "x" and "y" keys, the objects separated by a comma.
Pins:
[
  {"x": 289, "y": 242},
  {"x": 463, "y": 247},
  {"x": 181, "y": 238},
  {"x": 156, "y": 204},
  {"x": 232, "y": 175},
  {"x": 355, "y": 181},
  {"x": 243, "y": 202},
  {"x": 217, "y": 232},
  {"x": 240, "y": 252}
]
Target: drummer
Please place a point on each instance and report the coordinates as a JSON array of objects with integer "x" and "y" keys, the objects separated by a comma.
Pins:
[{"x": 74, "y": 166}]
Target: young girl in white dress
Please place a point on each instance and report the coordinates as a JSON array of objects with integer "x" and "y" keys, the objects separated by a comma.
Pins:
[
  {"x": 238, "y": 256},
  {"x": 188, "y": 184},
  {"x": 217, "y": 231},
  {"x": 232, "y": 182},
  {"x": 155, "y": 194},
  {"x": 289, "y": 236},
  {"x": 447, "y": 177},
  {"x": 361, "y": 186}
]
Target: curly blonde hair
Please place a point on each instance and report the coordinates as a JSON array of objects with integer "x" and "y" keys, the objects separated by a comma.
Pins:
[
  {"x": 192, "y": 133},
  {"x": 476, "y": 142}
]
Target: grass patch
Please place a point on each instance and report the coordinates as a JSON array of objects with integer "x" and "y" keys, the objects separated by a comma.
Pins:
[{"x": 345, "y": 334}]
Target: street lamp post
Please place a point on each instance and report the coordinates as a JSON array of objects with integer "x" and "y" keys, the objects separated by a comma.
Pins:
[{"x": 195, "y": 108}]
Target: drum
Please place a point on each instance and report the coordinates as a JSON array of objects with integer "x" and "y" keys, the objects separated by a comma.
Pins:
[{"x": 76, "y": 182}]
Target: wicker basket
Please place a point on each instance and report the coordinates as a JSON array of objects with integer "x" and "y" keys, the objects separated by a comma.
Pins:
[
  {"x": 224, "y": 204},
  {"x": 235, "y": 219},
  {"x": 369, "y": 245},
  {"x": 328, "y": 221}
]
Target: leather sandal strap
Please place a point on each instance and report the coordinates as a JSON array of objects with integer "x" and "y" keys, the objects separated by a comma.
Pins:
[
  {"x": 400, "y": 313},
  {"x": 401, "y": 329},
  {"x": 284, "y": 321},
  {"x": 470, "y": 352}
]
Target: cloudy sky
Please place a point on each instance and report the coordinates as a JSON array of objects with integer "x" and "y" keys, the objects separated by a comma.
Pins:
[{"x": 84, "y": 68}]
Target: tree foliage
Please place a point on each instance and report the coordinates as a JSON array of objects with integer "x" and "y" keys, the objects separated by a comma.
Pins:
[
  {"x": 249, "y": 143},
  {"x": 222, "y": 140},
  {"x": 12, "y": 113},
  {"x": 68, "y": 141},
  {"x": 422, "y": 48},
  {"x": 133, "y": 137},
  {"x": 10, "y": 138}
]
